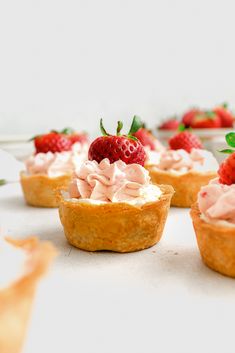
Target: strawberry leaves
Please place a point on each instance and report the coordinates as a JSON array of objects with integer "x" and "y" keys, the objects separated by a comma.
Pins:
[
  {"x": 227, "y": 150},
  {"x": 230, "y": 139},
  {"x": 135, "y": 126}
]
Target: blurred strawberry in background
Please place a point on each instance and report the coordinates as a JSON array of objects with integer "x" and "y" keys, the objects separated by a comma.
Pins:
[
  {"x": 206, "y": 120},
  {"x": 219, "y": 117},
  {"x": 226, "y": 116},
  {"x": 189, "y": 116},
  {"x": 146, "y": 137},
  {"x": 170, "y": 124},
  {"x": 79, "y": 137}
]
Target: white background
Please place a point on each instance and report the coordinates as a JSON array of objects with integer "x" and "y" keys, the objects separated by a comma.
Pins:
[{"x": 71, "y": 62}]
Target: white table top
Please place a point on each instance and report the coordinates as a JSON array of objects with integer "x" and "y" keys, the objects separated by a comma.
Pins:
[{"x": 158, "y": 300}]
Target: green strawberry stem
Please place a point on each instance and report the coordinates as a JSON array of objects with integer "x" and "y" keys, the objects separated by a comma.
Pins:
[
  {"x": 119, "y": 127},
  {"x": 224, "y": 105},
  {"x": 104, "y": 132}
]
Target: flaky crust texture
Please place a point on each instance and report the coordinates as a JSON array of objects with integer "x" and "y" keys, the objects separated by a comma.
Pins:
[
  {"x": 186, "y": 186},
  {"x": 115, "y": 226},
  {"x": 216, "y": 244},
  {"x": 16, "y": 300},
  {"x": 39, "y": 189}
]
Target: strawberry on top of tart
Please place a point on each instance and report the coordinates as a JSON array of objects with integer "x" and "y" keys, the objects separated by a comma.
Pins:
[
  {"x": 57, "y": 155},
  {"x": 185, "y": 165},
  {"x": 214, "y": 216},
  {"x": 111, "y": 203}
]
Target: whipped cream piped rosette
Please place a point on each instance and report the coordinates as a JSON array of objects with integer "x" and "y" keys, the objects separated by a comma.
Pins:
[
  {"x": 23, "y": 262},
  {"x": 185, "y": 165},
  {"x": 213, "y": 217},
  {"x": 111, "y": 203},
  {"x": 57, "y": 155}
]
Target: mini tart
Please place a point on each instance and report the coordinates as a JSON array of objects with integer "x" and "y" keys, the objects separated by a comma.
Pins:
[
  {"x": 16, "y": 299},
  {"x": 119, "y": 227},
  {"x": 216, "y": 244},
  {"x": 39, "y": 189},
  {"x": 186, "y": 185}
]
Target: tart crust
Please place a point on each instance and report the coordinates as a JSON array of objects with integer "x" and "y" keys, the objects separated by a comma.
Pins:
[
  {"x": 117, "y": 227},
  {"x": 16, "y": 299},
  {"x": 186, "y": 185},
  {"x": 216, "y": 244},
  {"x": 39, "y": 189}
]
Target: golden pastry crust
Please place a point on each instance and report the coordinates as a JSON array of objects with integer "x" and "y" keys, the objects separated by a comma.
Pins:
[
  {"x": 16, "y": 300},
  {"x": 39, "y": 189},
  {"x": 186, "y": 186},
  {"x": 216, "y": 244},
  {"x": 117, "y": 227}
]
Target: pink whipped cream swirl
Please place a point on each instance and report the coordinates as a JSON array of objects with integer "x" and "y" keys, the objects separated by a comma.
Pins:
[
  {"x": 59, "y": 163},
  {"x": 217, "y": 202},
  {"x": 181, "y": 160},
  {"x": 114, "y": 182}
]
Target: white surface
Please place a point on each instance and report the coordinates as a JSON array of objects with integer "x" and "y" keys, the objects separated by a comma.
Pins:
[
  {"x": 159, "y": 300},
  {"x": 66, "y": 62}
]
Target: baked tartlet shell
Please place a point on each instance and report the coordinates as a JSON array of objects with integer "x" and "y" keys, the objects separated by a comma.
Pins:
[
  {"x": 16, "y": 300},
  {"x": 117, "y": 227},
  {"x": 186, "y": 185},
  {"x": 40, "y": 190},
  {"x": 216, "y": 244}
]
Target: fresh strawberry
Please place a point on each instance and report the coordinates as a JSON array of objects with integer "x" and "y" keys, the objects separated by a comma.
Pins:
[
  {"x": 226, "y": 117},
  {"x": 206, "y": 120},
  {"x": 171, "y": 124},
  {"x": 184, "y": 140},
  {"x": 118, "y": 147},
  {"x": 146, "y": 138},
  {"x": 52, "y": 142},
  {"x": 189, "y": 116},
  {"x": 227, "y": 168}
]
